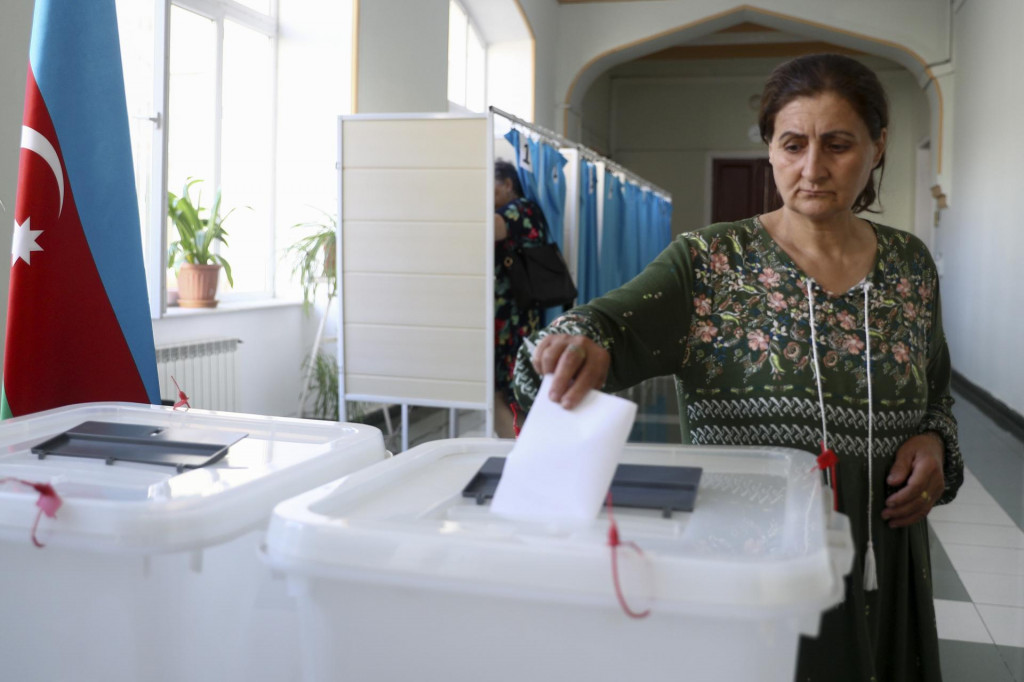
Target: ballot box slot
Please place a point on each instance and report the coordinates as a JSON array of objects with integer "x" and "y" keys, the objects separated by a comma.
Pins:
[{"x": 642, "y": 486}]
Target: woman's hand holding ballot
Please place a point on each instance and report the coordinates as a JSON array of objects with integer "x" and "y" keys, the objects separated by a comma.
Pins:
[{"x": 577, "y": 363}]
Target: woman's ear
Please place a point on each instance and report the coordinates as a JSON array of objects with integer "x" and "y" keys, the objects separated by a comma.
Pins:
[{"x": 880, "y": 148}]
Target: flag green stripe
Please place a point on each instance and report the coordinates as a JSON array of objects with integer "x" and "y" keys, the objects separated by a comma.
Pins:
[{"x": 5, "y": 409}]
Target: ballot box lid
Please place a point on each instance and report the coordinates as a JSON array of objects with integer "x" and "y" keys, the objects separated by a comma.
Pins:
[
  {"x": 147, "y": 478},
  {"x": 761, "y": 539}
]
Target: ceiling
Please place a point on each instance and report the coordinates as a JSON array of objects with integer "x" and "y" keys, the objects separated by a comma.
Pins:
[
  {"x": 744, "y": 40},
  {"x": 747, "y": 40}
]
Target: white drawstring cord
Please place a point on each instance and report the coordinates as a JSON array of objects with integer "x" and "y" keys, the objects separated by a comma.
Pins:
[
  {"x": 817, "y": 374},
  {"x": 870, "y": 570}
]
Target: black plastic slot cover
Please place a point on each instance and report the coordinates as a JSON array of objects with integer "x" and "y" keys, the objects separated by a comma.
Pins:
[
  {"x": 643, "y": 486},
  {"x": 182, "y": 448}
]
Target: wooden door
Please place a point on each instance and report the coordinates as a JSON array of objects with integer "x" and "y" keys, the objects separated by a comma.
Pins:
[{"x": 741, "y": 188}]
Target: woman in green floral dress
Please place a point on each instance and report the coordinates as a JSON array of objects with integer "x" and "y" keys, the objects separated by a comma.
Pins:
[{"x": 807, "y": 327}]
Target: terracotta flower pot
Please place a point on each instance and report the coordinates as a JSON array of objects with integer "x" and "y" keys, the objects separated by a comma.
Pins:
[{"x": 197, "y": 285}]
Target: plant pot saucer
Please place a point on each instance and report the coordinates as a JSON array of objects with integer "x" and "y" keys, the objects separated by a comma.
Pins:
[{"x": 196, "y": 303}]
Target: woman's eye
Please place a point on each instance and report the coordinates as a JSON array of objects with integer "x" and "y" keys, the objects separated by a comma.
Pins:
[
  {"x": 839, "y": 147},
  {"x": 792, "y": 147}
]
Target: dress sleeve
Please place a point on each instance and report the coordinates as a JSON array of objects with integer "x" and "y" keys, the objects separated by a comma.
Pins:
[
  {"x": 643, "y": 325},
  {"x": 939, "y": 413}
]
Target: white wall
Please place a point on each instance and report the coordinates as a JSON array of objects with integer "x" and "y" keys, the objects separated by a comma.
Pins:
[
  {"x": 14, "y": 35},
  {"x": 509, "y": 81},
  {"x": 269, "y": 357},
  {"x": 604, "y": 34},
  {"x": 403, "y": 56},
  {"x": 662, "y": 119},
  {"x": 544, "y": 19},
  {"x": 980, "y": 236}
]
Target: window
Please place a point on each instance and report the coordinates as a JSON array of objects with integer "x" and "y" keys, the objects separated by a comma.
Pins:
[
  {"x": 219, "y": 125},
  {"x": 467, "y": 61},
  {"x": 220, "y": 117}
]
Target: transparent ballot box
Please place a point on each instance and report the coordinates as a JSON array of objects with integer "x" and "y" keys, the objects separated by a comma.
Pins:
[
  {"x": 400, "y": 571},
  {"x": 150, "y": 568}
]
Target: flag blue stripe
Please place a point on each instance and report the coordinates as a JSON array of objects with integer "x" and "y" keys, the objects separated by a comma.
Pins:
[{"x": 76, "y": 59}]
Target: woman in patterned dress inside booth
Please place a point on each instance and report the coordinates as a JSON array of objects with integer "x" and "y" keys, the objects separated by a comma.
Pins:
[
  {"x": 805, "y": 325},
  {"x": 518, "y": 223}
]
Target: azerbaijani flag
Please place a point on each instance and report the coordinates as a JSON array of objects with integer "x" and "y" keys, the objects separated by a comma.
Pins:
[{"x": 78, "y": 322}]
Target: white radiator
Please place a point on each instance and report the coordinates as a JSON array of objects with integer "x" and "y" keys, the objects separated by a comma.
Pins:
[{"x": 206, "y": 370}]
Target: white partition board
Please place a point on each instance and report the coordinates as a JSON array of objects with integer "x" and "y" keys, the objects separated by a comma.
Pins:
[{"x": 416, "y": 272}]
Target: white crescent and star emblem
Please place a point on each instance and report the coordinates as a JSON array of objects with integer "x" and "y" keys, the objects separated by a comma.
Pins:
[{"x": 24, "y": 242}]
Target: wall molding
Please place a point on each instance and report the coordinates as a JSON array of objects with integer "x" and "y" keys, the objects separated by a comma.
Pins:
[{"x": 996, "y": 410}]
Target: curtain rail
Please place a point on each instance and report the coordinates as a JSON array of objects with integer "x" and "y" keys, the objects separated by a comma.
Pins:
[{"x": 585, "y": 152}]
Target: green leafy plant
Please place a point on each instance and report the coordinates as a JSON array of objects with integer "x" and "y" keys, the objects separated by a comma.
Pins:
[
  {"x": 315, "y": 258},
  {"x": 198, "y": 230},
  {"x": 324, "y": 384}
]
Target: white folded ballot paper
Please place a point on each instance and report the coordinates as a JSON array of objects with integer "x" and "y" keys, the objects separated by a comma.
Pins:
[{"x": 564, "y": 460}]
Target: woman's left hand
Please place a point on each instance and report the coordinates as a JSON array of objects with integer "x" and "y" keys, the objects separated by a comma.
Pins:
[{"x": 918, "y": 473}]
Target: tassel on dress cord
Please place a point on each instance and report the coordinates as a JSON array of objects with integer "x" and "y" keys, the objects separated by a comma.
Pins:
[{"x": 870, "y": 572}]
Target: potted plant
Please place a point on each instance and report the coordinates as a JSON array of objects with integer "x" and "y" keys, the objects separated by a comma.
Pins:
[
  {"x": 196, "y": 264},
  {"x": 322, "y": 370},
  {"x": 316, "y": 258},
  {"x": 315, "y": 264}
]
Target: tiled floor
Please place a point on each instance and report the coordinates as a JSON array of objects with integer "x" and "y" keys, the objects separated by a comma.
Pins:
[
  {"x": 977, "y": 541},
  {"x": 978, "y": 557}
]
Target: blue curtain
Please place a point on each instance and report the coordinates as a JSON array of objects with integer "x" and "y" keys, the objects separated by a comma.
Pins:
[
  {"x": 665, "y": 221},
  {"x": 542, "y": 173},
  {"x": 587, "y": 263},
  {"x": 647, "y": 232},
  {"x": 551, "y": 173},
  {"x": 526, "y": 163},
  {"x": 552, "y": 191},
  {"x": 633, "y": 223},
  {"x": 610, "y": 274}
]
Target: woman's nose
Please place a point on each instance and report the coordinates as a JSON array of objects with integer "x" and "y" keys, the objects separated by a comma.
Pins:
[{"x": 814, "y": 164}]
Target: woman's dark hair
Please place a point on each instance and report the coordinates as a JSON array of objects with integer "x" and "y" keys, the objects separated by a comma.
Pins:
[
  {"x": 816, "y": 74},
  {"x": 504, "y": 170}
]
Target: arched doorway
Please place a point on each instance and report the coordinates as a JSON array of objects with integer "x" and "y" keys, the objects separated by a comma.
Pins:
[{"x": 672, "y": 113}]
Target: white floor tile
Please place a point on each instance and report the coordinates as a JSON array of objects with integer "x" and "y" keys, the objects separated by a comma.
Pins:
[
  {"x": 959, "y": 620},
  {"x": 1004, "y": 623},
  {"x": 993, "y": 588},
  {"x": 960, "y": 512},
  {"x": 985, "y": 559},
  {"x": 981, "y": 534},
  {"x": 974, "y": 494}
]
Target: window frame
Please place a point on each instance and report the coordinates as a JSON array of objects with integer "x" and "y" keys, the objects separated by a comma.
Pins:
[
  {"x": 157, "y": 228},
  {"x": 472, "y": 32}
]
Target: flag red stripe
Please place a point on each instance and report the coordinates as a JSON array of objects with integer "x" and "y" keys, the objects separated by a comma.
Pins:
[{"x": 64, "y": 344}]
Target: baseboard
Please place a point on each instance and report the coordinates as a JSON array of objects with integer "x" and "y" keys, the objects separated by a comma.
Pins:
[{"x": 995, "y": 409}]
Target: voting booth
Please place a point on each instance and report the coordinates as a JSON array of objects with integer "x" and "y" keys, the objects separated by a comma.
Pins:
[
  {"x": 401, "y": 571},
  {"x": 150, "y": 569}
]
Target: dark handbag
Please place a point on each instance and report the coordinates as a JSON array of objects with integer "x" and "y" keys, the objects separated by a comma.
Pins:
[{"x": 539, "y": 276}]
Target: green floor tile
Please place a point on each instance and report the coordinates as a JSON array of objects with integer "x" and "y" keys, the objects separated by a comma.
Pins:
[
  {"x": 970, "y": 662},
  {"x": 1014, "y": 659},
  {"x": 946, "y": 583}
]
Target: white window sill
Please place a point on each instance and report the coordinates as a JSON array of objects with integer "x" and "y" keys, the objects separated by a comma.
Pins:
[{"x": 227, "y": 307}]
